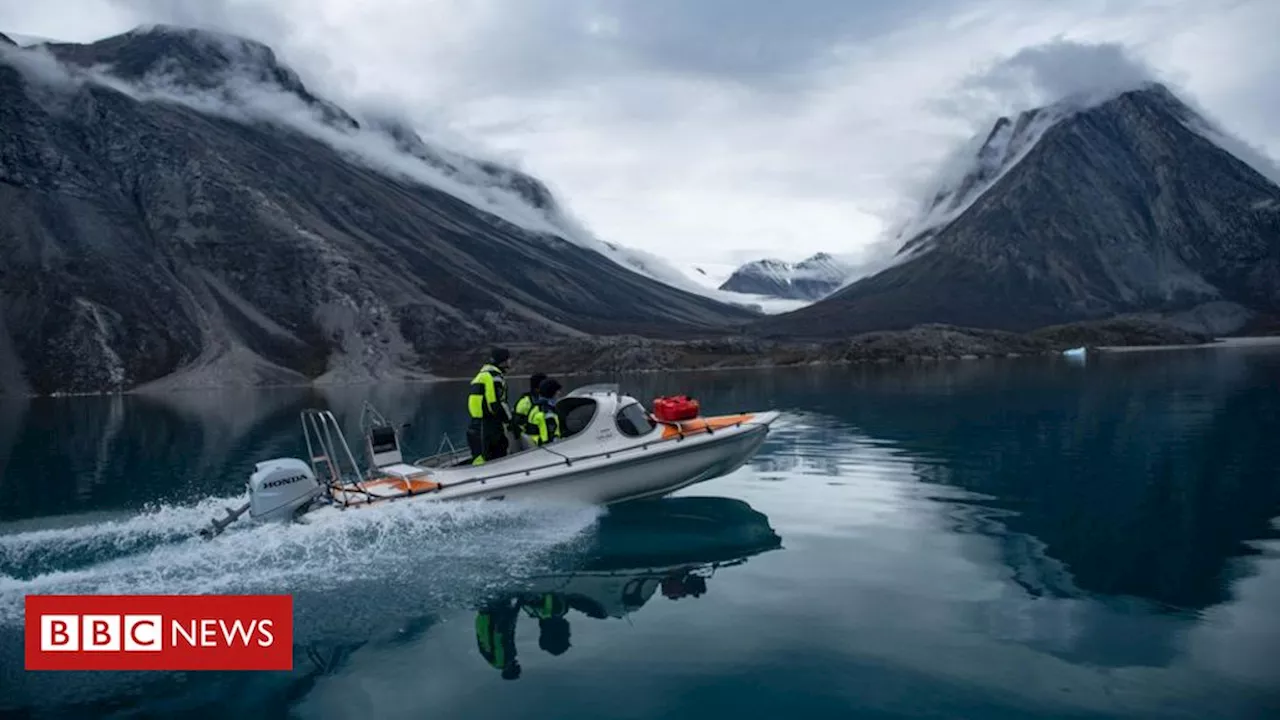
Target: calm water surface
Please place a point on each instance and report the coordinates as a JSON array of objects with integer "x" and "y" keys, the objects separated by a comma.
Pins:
[{"x": 962, "y": 540}]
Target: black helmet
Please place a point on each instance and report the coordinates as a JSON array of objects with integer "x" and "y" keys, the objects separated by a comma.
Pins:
[
  {"x": 548, "y": 388},
  {"x": 535, "y": 381},
  {"x": 499, "y": 355}
]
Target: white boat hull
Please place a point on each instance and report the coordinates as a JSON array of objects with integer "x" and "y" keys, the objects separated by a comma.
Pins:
[
  {"x": 608, "y": 479},
  {"x": 602, "y": 476},
  {"x": 613, "y": 452}
]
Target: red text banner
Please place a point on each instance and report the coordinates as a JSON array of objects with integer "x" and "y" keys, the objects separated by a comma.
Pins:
[{"x": 159, "y": 632}]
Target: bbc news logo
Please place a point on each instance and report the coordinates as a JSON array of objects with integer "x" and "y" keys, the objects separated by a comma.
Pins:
[
  {"x": 145, "y": 633},
  {"x": 159, "y": 632}
]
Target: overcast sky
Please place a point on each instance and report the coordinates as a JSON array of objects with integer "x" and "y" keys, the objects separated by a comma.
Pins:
[{"x": 717, "y": 131}]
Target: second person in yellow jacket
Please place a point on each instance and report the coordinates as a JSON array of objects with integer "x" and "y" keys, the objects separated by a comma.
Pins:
[{"x": 543, "y": 425}]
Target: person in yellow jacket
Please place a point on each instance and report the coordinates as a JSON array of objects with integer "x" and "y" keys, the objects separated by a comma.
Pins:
[
  {"x": 487, "y": 406},
  {"x": 524, "y": 404},
  {"x": 550, "y": 610},
  {"x": 496, "y": 636},
  {"x": 544, "y": 424}
]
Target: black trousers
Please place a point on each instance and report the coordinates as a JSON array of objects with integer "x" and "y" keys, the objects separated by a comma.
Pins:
[{"x": 487, "y": 439}]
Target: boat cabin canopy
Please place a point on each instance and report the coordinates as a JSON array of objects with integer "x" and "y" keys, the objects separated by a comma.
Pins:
[
  {"x": 599, "y": 412},
  {"x": 601, "y": 408}
]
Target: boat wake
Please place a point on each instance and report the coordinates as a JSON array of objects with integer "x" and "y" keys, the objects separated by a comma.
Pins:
[
  {"x": 400, "y": 552},
  {"x": 66, "y": 543}
]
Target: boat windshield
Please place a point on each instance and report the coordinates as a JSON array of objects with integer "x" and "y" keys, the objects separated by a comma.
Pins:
[
  {"x": 633, "y": 421},
  {"x": 576, "y": 413}
]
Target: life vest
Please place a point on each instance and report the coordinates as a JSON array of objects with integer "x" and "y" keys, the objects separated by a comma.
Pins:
[
  {"x": 494, "y": 640},
  {"x": 523, "y": 406},
  {"x": 488, "y": 398},
  {"x": 548, "y": 606},
  {"x": 543, "y": 425}
]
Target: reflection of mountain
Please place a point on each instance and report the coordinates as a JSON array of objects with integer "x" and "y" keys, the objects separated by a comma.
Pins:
[
  {"x": 12, "y": 413},
  {"x": 120, "y": 452},
  {"x": 115, "y": 452},
  {"x": 1106, "y": 489},
  {"x": 1143, "y": 476}
]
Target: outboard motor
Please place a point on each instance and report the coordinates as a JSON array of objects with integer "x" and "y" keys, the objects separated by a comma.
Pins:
[{"x": 279, "y": 488}]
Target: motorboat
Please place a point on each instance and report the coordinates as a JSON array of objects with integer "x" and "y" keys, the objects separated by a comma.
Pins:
[{"x": 612, "y": 449}]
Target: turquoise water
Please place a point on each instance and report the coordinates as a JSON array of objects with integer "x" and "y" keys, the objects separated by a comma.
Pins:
[{"x": 1025, "y": 538}]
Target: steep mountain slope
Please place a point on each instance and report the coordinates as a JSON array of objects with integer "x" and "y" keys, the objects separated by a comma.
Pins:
[
  {"x": 1066, "y": 215},
  {"x": 198, "y": 215},
  {"x": 809, "y": 279}
]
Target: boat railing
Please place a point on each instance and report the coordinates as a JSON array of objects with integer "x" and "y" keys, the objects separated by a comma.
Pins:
[
  {"x": 446, "y": 455},
  {"x": 370, "y": 418},
  {"x": 327, "y": 448}
]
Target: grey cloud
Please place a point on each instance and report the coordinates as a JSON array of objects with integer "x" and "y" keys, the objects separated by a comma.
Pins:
[
  {"x": 1061, "y": 69},
  {"x": 533, "y": 46},
  {"x": 748, "y": 39},
  {"x": 690, "y": 125},
  {"x": 257, "y": 21}
]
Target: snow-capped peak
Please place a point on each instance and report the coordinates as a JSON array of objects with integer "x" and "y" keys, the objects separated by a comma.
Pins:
[
  {"x": 975, "y": 168},
  {"x": 987, "y": 157},
  {"x": 809, "y": 279},
  {"x": 822, "y": 266}
]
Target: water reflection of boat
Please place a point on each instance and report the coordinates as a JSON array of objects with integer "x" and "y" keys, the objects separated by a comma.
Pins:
[
  {"x": 670, "y": 547},
  {"x": 676, "y": 530},
  {"x": 675, "y": 544}
]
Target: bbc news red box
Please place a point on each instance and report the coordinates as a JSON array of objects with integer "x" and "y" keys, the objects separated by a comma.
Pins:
[{"x": 159, "y": 632}]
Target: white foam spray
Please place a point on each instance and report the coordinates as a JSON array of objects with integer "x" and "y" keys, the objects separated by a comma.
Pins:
[{"x": 385, "y": 558}]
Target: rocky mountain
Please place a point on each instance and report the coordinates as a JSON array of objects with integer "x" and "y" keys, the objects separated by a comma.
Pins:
[
  {"x": 178, "y": 208},
  {"x": 1133, "y": 205},
  {"x": 809, "y": 279}
]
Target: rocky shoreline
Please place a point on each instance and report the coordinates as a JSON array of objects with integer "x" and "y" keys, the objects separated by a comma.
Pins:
[
  {"x": 635, "y": 354},
  {"x": 923, "y": 343}
]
